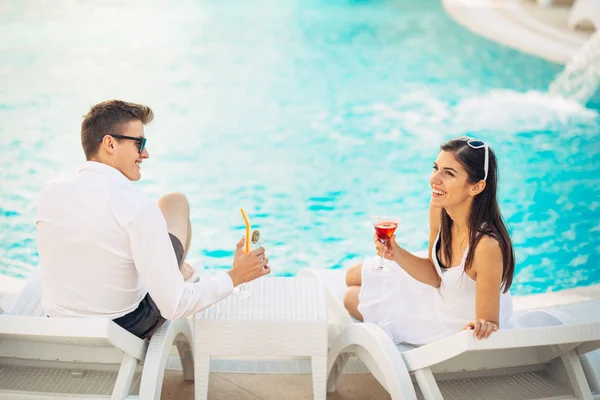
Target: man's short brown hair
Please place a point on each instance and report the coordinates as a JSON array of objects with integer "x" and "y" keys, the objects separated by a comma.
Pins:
[{"x": 109, "y": 117}]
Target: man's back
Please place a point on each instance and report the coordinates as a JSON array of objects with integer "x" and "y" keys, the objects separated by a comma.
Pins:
[
  {"x": 108, "y": 251},
  {"x": 84, "y": 243}
]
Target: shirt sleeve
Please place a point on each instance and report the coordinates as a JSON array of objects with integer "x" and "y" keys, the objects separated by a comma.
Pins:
[{"x": 156, "y": 263}]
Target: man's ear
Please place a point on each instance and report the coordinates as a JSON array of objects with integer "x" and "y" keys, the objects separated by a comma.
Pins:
[
  {"x": 477, "y": 188},
  {"x": 108, "y": 144}
]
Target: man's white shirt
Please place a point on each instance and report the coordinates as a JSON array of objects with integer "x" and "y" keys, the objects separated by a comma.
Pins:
[{"x": 103, "y": 245}]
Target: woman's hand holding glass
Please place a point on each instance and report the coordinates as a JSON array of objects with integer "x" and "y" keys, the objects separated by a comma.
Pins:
[{"x": 389, "y": 250}]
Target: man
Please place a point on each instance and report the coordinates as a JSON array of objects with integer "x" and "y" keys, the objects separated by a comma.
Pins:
[{"x": 108, "y": 251}]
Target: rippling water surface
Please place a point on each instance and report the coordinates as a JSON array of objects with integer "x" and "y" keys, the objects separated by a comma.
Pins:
[{"x": 309, "y": 114}]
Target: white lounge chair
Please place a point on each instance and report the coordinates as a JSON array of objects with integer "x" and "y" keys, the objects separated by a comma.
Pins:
[
  {"x": 529, "y": 362},
  {"x": 585, "y": 11},
  {"x": 82, "y": 358}
]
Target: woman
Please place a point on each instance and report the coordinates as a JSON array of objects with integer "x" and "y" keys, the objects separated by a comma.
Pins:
[{"x": 464, "y": 281}]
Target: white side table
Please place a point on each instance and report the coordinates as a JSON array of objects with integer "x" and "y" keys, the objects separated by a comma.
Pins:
[{"x": 284, "y": 317}]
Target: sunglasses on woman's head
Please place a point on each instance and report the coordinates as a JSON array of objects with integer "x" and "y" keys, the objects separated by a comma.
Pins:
[
  {"x": 139, "y": 141},
  {"x": 478, "y": 144}
]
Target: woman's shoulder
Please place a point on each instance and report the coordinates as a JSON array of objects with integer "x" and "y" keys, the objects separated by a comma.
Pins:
[
  {"x": 487, "y": 252},
  {"x": 487, "y": 242}
]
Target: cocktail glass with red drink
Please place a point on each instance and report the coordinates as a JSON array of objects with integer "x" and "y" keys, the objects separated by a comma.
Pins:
[{"x": 384, "y": 228}]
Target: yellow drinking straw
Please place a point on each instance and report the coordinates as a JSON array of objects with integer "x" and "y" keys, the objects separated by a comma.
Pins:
[{"x": 247, "y": 222}]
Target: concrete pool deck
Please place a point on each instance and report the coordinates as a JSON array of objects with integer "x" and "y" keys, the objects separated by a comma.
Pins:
[
  {"x": 268, "y": 386},
  {"x": 523, "y": 25}
]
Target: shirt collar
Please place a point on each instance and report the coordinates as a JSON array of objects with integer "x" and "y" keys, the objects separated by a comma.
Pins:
[{"x": 105, "y": 169}]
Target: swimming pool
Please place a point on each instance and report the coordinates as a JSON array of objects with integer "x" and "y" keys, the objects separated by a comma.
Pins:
[{"x": 311, "y": 115}]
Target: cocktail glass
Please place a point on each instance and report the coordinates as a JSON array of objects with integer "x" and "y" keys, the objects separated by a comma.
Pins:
[
  {"x": 240, "y": 290},
  {"x": 385, "y": 227}
]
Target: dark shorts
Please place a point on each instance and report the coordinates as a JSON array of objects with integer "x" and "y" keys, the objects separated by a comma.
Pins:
[{"x": 146, "y": 318}]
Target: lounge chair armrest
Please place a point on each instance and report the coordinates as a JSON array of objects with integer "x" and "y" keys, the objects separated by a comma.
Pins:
[
  {"x": 587, "y": 336},
  {"x": 377, "y": 350},
  {"x": 162, "y": 340},
  {"x": 93, "y": 332}
]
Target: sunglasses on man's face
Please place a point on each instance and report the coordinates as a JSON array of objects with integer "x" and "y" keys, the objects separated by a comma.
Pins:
[
  {"x": 478, "y": 144},
  {"x": 139, "y": 141}
]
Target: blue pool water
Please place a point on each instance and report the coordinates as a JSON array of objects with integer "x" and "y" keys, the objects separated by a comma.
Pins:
[{"x": 309, "y": 114}]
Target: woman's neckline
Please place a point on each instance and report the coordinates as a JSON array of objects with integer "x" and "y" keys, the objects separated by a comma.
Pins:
[{"x": 439, "y": 261}]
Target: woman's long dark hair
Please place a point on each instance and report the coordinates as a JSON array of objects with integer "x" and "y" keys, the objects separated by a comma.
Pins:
[{"x": 485, "y": 217}]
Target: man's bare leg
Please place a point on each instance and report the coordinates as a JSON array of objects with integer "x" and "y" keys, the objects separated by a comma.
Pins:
[
  {"x": 353, "y": 281},
  {"x": 186, "y": 245},
  {"x": 176, "y": 210},
  {"x": 186, "y": 269}
]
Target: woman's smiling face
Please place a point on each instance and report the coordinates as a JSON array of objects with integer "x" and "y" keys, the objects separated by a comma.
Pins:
[{"x": 449, "y": 181}]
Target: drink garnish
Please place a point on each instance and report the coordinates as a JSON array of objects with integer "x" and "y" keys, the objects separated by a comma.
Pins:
[{"x": 255, "y": 236}]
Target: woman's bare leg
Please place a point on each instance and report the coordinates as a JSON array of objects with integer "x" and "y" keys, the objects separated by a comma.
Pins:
[
  {"x": 353, "y": 276},
  {"x": 353, "y": 281},
  {"x": 351, "y": 301}
]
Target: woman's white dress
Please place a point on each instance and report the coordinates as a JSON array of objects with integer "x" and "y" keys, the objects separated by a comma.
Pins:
[{"x": 412, "y": 312}]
